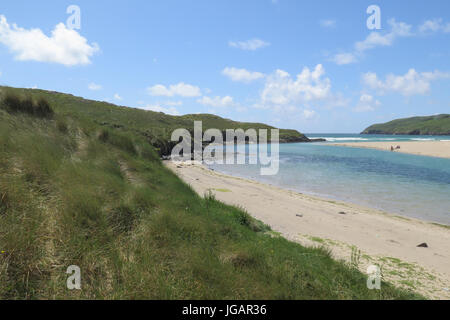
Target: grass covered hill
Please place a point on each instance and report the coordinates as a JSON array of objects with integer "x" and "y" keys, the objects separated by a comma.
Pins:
[
  {"x": 156, "y": 127},
  {"x": 76, "y": 192},
  {"x": 432, "y": 125}
]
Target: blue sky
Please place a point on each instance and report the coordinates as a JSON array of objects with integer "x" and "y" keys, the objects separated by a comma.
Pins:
[{"x": 312, "y": 66}]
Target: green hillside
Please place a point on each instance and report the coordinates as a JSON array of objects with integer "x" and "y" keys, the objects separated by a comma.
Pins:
[
  {"x": 156, "y": 127},
  {"x": 77, "y": 191},
  {"x": 432, "y": 125}
]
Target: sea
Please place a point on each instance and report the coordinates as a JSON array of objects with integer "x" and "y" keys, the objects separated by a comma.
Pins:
[{"x": 403, "y": 184}]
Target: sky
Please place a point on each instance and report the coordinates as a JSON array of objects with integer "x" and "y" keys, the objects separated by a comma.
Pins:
[{"x": 315, "y": 66}]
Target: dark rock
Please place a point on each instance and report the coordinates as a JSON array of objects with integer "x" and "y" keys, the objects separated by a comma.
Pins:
[
  {"x": 342, "y": 212},
  {"x": 423, "y": 245},
  {"x": 299, "y": 215},
  {"x": 318, "y": 140}
]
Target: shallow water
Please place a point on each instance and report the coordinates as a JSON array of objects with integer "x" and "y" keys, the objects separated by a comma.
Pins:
[{"x": 408, "y": 185}]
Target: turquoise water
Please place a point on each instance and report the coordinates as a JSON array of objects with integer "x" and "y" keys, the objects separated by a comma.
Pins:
[{"x": 403, "y": 184}]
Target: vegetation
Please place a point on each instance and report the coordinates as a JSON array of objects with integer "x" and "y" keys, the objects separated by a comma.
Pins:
[
  {"x": 76, "y": 192},
  {"x": 433, "y": 125},
  {"x": 155, "y": 127},
  {"x": 14, "y": 103}
]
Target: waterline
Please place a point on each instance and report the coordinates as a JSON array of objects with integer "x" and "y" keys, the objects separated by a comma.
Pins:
[{"x": 404, "y": 184}]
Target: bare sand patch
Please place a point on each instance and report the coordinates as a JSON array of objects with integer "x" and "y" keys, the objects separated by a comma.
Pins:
[{"x": 439, "y": 149}]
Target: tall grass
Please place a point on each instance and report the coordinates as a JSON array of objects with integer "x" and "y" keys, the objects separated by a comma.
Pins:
[{"x": 14, "y": 103}]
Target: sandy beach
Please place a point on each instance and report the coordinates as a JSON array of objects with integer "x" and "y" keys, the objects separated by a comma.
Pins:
[
  {"x": 384, "y": 239},
  {"x": 439, "y": 149}
]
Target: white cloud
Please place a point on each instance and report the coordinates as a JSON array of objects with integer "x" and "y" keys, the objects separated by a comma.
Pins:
[
  {"x": 376, "y": 39},
  {"x": 309, "y": 114},
  {"x": 181, "y": 89},
  {"x": 293, "y": 96},
  {"x": 367, "y": 103},
  {"x": 431, "y": 25},
  {"x": 328, "y": 23},
  {"x": 411, "y": 83},
  {"x": 226, "y": 101},
  {"x": 281, "y": 89},
  {"x": 344, "y": 58},
  {"x": 158, "y": 108},
  {"x": 117, "y": 97},
  {"x": 173, "y": 103},
  {"x": 64, "y": 46},
  {"x": 94, "y": 87},
  {"x": 434, "y": 25},
  {"x": 159, "y": 90},
  {"x": 373, "y": 40},
  {"x": 336, "y": 100},
  {"x": 249, "y": 45},
  {"x": 241, "y": 75}
]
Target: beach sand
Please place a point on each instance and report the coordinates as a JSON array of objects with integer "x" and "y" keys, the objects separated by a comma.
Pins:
[
  {"x": 383, "y": 239},
  {"x": 439, "y": 149}
]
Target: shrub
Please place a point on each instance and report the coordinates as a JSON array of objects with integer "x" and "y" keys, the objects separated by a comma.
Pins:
[
  {"x": 103, "y": 136},
  {"x": 13, "y": 103},
  {"x": 62, "y": 126},
  {"x": 42, "y": 108}
]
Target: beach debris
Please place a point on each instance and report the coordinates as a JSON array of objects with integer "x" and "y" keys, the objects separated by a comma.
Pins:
[
  {"x": 342, "y": 212},
  {"x": 299, "y": 215},
  {"x": 446, "y": 289},
  {"x": 423, "y": 245}
]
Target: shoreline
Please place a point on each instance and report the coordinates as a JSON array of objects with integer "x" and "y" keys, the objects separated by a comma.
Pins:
[
  {"x": 437, "y": 149},
  {"x": 383, "y": 238}
]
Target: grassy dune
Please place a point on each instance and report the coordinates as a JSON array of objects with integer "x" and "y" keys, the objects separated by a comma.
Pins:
[
  {"x": 155, "y": 127},
  {"x": 76, "y": 192}
]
